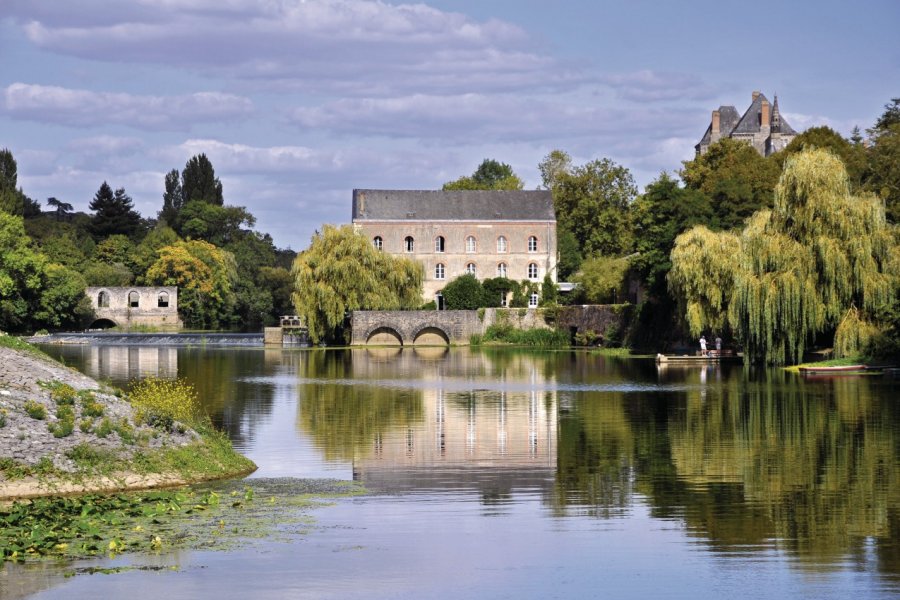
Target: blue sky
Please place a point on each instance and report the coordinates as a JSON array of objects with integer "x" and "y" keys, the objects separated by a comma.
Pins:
[{"x": 297, "y": 102}]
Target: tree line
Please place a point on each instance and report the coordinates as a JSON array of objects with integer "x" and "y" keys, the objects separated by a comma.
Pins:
[{"x": 228, "y": 274}]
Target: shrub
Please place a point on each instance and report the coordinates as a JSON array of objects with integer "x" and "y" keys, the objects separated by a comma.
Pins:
[
  {"x": 62, "y": 428},
  {"x": 544, "y": 338},
  {"x": 85, "y": 425},
  {"x": 104, "y": 429},
  {"x": 35, "y": 410},
  {"x": 92, "y": 409},
  {"x": 2, "y": 418},
  {"x": 62, "y": 393},
  {"x": 160, "y": 402}
]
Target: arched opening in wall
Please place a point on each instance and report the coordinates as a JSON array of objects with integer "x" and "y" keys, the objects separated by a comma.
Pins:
[
  {"x": 384, "y": 336},
  {"x": 134, "y": 299},
  {"x": 162, "y": 300},
  {"x": 103, "y": 300},
  {"x": 431, "y": 336},
  {"x": 103, "y": 324}
]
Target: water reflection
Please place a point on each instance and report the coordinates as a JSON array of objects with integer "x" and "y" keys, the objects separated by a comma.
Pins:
[{"x": 749, "y": 463}]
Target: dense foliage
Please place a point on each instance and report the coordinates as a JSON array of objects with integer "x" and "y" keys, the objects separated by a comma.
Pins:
[
  {"x": 821, "y": 260},
  {"x": 341, "y": 272}
]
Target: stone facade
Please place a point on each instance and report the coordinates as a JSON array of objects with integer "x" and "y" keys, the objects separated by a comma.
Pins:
[
  {"x": 135, "y": 306},
  {"x": 489, "y": 233},
  {"x": 762, "y": 126},
  {"x": 413, "y": 327}
]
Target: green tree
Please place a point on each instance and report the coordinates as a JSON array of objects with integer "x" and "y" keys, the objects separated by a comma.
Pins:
[
  {"x": 12, "y": 199},
  {"x": 549, "y": 291},
  {"x": 199, "y": 182},
  {"x": 663, "y": 211},
  {"x": 490, "y": 175},
  {"x": 33, "y": 292},
  {"x": 592, "y": 202},
  {"x": 884, "y": 159},
  {"x": 569, "y": 254},
  {"x": 704, "y": 266},
  {"x": 820, "y": 261},
  {"x": 62, "y": 208},
  {"x": 341, "y": 272},
  {"x": 553, "y": 166},
  {"x": 108, "y": 275},
  {"x": 147, "y": 252},
  {"x": 735, "y": 177},
  {"x": 602, "y": 279},
  {"x": 464, "y": 293},
  {"x": 218, "y": 225},
  {"x": 852, "y": 155},
  {"x": 173, "y": 198},
  {"x": 117, "y": 248},
  {"x": 205, "y": 276},
  {"x": 113, "y": 213}
]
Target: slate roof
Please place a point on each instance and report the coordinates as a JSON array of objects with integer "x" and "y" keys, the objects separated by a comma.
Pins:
[
  {"x": 749, "y": 123},
  {"x": 728, "y": 118},
  {"x": 456, "y": 205}
]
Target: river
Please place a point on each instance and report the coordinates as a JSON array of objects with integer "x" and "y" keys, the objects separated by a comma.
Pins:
[{"x": 513, "y": 474}]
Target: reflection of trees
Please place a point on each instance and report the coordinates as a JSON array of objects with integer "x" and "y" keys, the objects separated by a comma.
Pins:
[
  {"x": 343, "y": 416},
  {"x": 813, "y": 464},
  {"x": 594, "y": 455}
]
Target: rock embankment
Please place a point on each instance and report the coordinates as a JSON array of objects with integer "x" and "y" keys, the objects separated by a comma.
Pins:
[{"x": 53, "y": 419}]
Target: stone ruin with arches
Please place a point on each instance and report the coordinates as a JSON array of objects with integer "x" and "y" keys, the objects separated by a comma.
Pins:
[{"x": 135, "y": 307}]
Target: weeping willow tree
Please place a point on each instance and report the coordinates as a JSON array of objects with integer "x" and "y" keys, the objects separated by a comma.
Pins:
[
  {"x": 704, "y": 264},
  {"x": 341, "y": 272},
  {"x": 821, "y": 260}
]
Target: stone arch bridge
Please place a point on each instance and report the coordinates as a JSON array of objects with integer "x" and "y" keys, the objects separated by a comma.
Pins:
[{"x": 414, "y": 327}]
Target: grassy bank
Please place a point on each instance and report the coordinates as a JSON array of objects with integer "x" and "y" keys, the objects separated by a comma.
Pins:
[{"x": 506, "y": 334}]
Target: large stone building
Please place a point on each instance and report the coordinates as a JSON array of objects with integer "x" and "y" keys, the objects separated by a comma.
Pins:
[
  {"x": 487, "y": 233},
  {"x": 762, "y": 126}
]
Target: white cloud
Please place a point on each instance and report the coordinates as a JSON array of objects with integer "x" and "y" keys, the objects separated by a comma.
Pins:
[
  {"x": 350, "y": 46},
  {"x": 85, "y": 108}
]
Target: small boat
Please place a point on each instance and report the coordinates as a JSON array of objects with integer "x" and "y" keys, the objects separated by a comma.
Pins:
[{"x": 711, "y": 357}]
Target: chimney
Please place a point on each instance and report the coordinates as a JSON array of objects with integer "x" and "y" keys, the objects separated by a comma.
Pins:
[
  {"x": 765, "y": 120},
  {"x": 755, "y": 96},
  {"x": 715, "y": 124}
]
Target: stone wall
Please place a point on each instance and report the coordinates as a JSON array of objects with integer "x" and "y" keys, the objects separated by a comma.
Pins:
[{"x": 601, "y": 319}]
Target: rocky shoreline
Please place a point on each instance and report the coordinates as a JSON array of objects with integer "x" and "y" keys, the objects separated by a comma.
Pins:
[{"x": 37, "y": 436}]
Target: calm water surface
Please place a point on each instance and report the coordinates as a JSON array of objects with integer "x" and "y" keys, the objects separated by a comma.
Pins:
[{"x": 522, "y": 475}]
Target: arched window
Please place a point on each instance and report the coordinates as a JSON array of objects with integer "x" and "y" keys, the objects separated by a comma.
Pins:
[
  {"x": 471, "y": 244},
  {"x": 532, "y": 244},
  {"x": 378, "y": 243},
  {"x": 439, "y": 243},
  {"x": 134, "y": 299},
  {"x": 409, "y": 243},
  {"x": 470, "y": 268},
  {"x": 439, "y": 271},
  {"x": 533, "y": 300},
  {"x": 501, "y": 244},
  {"x": 501, "y": 270},
  {"x": 532, "y": 271},
  {"x": 103, "y": 300},
  {"x": 162, "y": 301}
]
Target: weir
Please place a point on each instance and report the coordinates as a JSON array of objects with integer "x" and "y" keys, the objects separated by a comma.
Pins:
[{"x": 153, "y": 339}]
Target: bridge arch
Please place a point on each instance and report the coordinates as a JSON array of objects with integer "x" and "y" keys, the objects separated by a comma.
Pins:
[
  {"x": 430, "y": 335},
  {"x": 103, "y": 323},
  {"x": 384, "y": 336}
]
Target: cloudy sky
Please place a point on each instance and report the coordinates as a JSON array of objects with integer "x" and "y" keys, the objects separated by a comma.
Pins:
[{"x": 297, "y": 102}]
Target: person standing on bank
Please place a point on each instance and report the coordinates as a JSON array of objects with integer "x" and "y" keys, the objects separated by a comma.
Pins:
[
  {"x": 702, "y": 345},
  {"x": 718, "y": 345}
]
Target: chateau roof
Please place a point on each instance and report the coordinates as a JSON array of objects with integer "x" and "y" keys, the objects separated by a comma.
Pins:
[
  {"x": 728, "y": 119},
  {"x": 749, "y": 123},
  {"x": 454, "y": 205}
]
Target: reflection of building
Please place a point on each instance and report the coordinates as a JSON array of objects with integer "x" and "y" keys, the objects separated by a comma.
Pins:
[
  {"x": 126, "y": 307},
  {"x": 510, "y": 233},
  {"x": 491, "y": 434},
  {"x": 761, "y": 126},
  {"x": 127, "y": 363}
]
